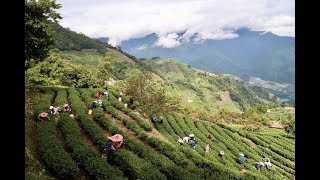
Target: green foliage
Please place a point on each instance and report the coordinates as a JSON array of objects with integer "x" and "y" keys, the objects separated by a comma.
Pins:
[
  {"x": 290, "y": 127},
  {"x": 135, "y": 166},
  {"x": 150, "y": 94},
  {"x": 90, "y": 127},
  {"x": 110, "y": 66},
  {"x": 143, "y": 123},
  {"x": 167, "y": 160},
  {"x": 85, "y": 155},
  {"x": 56, "y": 71},
  {"x": 65, "y": 39},
  {"x": 88, "y": 58},
  {"x": 52, "y": 152},
  {"x": 38, "y": 33}
]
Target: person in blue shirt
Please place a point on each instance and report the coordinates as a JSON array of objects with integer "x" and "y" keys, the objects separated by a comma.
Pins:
[
  {"x": 193, "y": 143},
  {"x": 242, "y": 159}
]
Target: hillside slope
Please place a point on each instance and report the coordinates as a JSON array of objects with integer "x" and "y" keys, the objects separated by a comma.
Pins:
[
  {"x": 73, "y": 148},
  {"x": 199, "y": 91},
  {"x": 153, "y": 152},
  {"x": 258, "y": 54}
]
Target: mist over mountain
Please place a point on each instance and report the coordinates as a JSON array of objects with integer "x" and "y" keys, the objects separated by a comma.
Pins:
[{"x": 252, "y": 53}]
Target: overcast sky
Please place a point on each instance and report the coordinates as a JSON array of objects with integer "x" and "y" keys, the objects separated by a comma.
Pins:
[{"x": 121, "y": 20}]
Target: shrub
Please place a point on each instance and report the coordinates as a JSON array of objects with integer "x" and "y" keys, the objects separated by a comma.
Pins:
[
  {"x": 90, "y": 160},
  {"x": 135, "y": 166}
]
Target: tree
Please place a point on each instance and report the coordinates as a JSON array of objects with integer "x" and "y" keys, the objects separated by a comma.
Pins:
[
  {"x": 150, "y": 94},
  {"x": 38, "y": 32}
]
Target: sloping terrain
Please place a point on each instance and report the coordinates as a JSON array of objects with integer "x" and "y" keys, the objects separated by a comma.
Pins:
[{"x": 151, "y": 150}]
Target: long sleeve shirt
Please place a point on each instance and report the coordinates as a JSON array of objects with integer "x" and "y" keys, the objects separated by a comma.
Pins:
[{"x": 120, "y": 143}]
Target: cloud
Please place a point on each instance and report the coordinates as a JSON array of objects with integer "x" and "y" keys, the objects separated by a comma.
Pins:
[
  {"x": 208, "y": 19},
  {"x": 168, "y": 41},
  {"x": 141, "y": 47}
]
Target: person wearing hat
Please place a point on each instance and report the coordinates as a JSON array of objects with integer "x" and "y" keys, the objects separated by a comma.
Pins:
[
  {"x": 93, "y": 104},
  {"x": 242, "y": 159},
  {"x": 180, "y": 141},
  {"x": 153, "y": 119},
  {"x": 110, "y": 145},
  {"x": 192, "y": 137},
  {"x": 119, "y": 142},
  {"x": 193, "y": 143},
  {"x": 67, "y": 107},
  {"x": 114, "y": 142},
  {"x": 98, "y": 95},
  {"x": 207, "y": 148},
  {"x": 72, "y": 116},
  {"x": 43, "y": 116},
  {"x": 55, "y": 110},
  {"x": 100, "y": 103},
  {"x": 259, "y": 165},
  {"x": 267, "y": 163},
  {"x": 221, "y": 153},
  {"x": 106, "y": 95},
  {"x": 51, "y": 109}
]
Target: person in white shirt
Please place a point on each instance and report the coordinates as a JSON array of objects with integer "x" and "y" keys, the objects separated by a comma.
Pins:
[
  {"x": 259, "y": 165},
  {"x": 267, "y": 163}
]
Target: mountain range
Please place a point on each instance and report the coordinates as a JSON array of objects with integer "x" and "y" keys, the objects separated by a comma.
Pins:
[{"x": 252, "y": 53}]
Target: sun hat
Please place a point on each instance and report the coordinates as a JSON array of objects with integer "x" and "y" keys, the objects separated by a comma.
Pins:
[
  {"x": 221, "y": 153},
  {"x": 116, "y": 138},
  {"x": 241, "y": 154},
  {"x": 51, "y": 107},
  {"x": 43, "y": 114}
]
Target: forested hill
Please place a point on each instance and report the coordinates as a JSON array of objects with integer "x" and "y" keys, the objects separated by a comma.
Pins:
[
  {"x": 88, "y": 63},
  {"x": 66, "y": 39}
]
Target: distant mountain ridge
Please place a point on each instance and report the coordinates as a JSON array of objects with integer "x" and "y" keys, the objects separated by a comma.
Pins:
[{"x": 253, "y": 53}]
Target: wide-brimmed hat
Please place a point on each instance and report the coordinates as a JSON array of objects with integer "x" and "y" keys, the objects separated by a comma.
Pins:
[
  {"x": 221, "y": 153},
  {"x": 241, "y": 154},
  {"x": 43, "y": 114},
  {"x": 116, "y": 138},
  {"x": 51, "y": 107}
]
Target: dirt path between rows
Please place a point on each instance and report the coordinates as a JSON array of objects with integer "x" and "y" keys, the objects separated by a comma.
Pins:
[
  {"x": 153, "y": 133},
  {"x": 127, "y": 131},
  {"x": 86, "y": 137}
]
